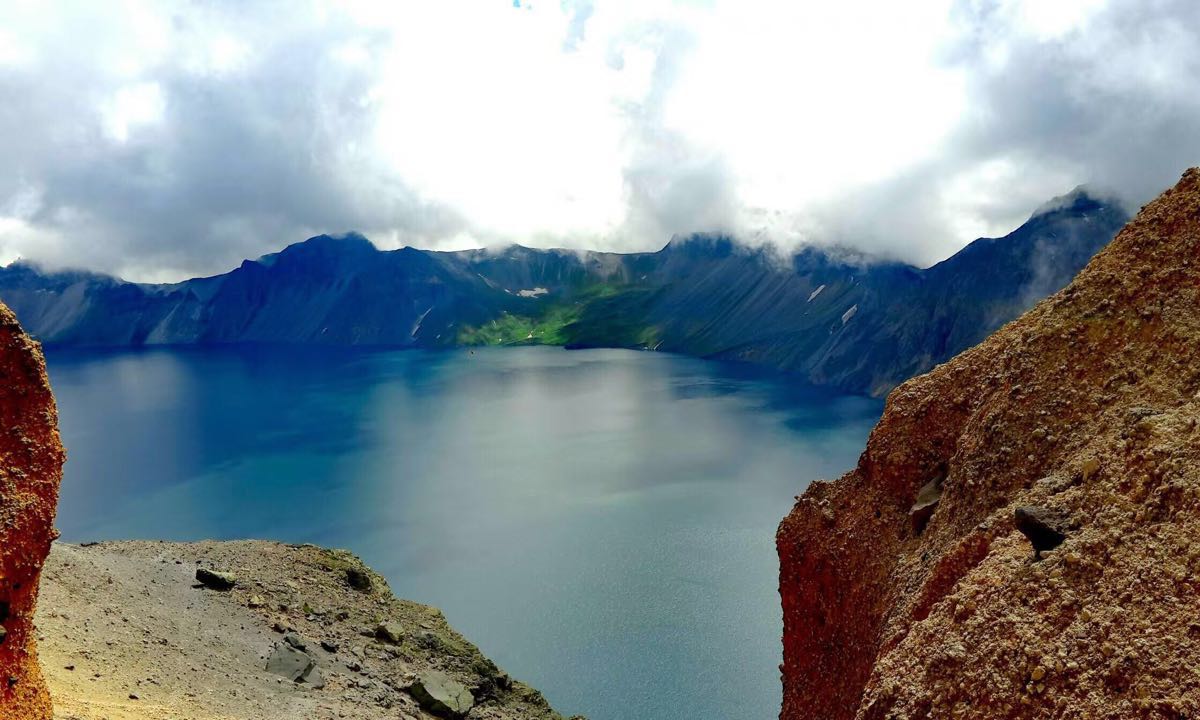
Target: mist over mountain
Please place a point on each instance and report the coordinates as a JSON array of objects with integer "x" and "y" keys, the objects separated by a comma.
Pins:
[{"x": 838, "y": 319}]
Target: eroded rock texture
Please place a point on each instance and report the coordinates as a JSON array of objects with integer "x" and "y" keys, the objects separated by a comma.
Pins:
[
  {"x": 1084, "y": 413},
  {"x": 31, "y": 459}
]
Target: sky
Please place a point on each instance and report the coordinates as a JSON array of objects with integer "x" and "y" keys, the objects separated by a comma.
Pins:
[{"x": 162, "y": 140}]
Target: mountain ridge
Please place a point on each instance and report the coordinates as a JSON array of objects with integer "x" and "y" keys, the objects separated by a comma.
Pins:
[{"x": 841, "y": 319}]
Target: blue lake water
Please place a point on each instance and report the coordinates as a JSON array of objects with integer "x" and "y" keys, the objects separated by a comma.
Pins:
[{"x": 601, "y": 522}]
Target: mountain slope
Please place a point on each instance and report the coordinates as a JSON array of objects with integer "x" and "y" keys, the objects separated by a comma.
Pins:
[
  {"x": 837, "y": 319},
  {"x": 1071, "y": 431}
]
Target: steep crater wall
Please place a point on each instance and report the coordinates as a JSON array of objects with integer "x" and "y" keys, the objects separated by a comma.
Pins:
[
  {"x": 910, "y": 586},
  {"x": 31, "y": 459}
]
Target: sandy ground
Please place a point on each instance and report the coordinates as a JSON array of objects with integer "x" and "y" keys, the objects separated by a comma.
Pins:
[{"x": 125, "y": 633}]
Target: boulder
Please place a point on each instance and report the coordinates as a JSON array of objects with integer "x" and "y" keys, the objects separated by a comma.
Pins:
[{"x": 441, "y": 695}]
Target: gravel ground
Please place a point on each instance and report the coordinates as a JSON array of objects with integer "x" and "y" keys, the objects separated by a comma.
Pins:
[{"x": 126, "y": 632}]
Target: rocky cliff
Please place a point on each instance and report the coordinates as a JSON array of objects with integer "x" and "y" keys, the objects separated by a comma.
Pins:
[
  {"x": 1021, "y": 537},
  {"x": 31, "y": 459}
]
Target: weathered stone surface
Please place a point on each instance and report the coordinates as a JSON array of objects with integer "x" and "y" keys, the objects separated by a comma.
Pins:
[
  {"x": 1095, "y": 387},
  {"x": 31, "y": 458},
  {"x": 441, "y": 695}
]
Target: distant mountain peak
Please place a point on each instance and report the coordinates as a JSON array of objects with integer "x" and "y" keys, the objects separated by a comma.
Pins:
[
  {"x": 1083, "y": 198},
  {"x": 715, "y": 244},
  {"x": 341, "y": 241}
]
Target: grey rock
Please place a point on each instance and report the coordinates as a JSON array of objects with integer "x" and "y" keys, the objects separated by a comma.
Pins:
[
  {"x": 1044, "y": 528},
  {"x": 289, "y": 662},
  {"x": 441, "y": 695},
  {"x": 329, "y": 646},
  {"x": 295, "y": 665},
  {"x": 215, "y": 579}
]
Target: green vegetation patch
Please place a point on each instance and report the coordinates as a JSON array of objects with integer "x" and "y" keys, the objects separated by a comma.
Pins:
[
  {"x": 509, "y": 329},
  {"x": 602, "y": 315}
]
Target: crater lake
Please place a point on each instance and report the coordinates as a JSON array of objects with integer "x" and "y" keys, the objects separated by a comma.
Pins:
[{"x": 600, "y": 522}]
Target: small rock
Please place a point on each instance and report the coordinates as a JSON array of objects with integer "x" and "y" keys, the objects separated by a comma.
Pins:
[
  {"x": 389, "y": 632},
  {"x": 1042, "y": 527},
  {"x": 215, "y": 579},
  {"x": 329, "y": 646},
  {"x": 358, "y": 578},
  {"x": 441, "y": 695},
  {"x": 1090, "y": 466},
  {"x": 3, "y": 634},
  {"x": 255, "y": 601}
]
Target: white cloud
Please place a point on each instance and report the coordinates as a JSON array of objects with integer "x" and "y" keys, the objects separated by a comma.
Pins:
[
  {"x": 171, "y": 139},
  {"x": 131, "y": 107}
]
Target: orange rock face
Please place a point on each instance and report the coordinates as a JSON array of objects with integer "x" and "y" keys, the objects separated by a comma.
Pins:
[
  {"x": 31, "y": 459},
  {"x": 1086, "y": 408}
]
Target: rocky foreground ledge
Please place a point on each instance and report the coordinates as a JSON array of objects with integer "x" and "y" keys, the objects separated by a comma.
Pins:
[{"x": 253, "y": 630}]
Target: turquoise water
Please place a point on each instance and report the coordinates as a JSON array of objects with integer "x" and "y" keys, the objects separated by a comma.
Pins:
[{"x": 600, "y": 522}]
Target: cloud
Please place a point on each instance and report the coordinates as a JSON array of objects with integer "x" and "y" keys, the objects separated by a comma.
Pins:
[{"x": 163, "y": 140}]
